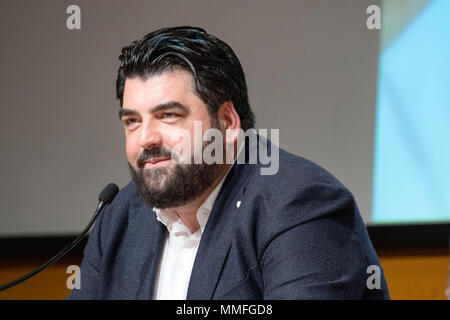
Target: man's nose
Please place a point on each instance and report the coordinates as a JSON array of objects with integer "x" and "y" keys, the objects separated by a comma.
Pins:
[{"x": 149, "y": 136}]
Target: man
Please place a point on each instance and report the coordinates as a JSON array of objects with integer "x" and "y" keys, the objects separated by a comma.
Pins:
[{"x": 223, "y": 230}]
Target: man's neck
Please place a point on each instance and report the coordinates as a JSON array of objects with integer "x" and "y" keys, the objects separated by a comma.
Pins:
[{"x": 188, "y": 212}]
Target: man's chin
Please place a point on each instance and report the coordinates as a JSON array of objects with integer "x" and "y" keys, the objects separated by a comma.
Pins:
[{"x": 155, "y": 184}]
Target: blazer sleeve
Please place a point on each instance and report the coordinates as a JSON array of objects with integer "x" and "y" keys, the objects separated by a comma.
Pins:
[
  {"x": 316, "y": 251},
  {"x": 90, "y": 271}
]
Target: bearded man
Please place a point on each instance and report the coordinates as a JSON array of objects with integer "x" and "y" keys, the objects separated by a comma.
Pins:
[{"x": 201, "y": 230}]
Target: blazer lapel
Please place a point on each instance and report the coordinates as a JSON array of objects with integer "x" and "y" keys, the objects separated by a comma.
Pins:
[
  {"x": 217, "y": 235},
  {"x": 149, "y": 240}
]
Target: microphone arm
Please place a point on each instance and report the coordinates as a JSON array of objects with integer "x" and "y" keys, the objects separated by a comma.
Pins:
[{"x": 105, "y": 197}]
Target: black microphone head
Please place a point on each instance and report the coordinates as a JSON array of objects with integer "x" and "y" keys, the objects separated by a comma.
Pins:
[{"x": 108, "y": 193}]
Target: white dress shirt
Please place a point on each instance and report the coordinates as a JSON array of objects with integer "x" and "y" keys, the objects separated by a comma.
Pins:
[{"x": 180, "y": 248}]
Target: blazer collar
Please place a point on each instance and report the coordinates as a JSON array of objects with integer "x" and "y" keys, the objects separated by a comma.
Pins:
[
  {"x": 216, "y": 239},
  {"x": 148, "y": 235}
]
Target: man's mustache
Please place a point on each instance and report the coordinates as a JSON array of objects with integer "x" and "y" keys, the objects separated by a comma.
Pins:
[{"x": 155, "y": 152}]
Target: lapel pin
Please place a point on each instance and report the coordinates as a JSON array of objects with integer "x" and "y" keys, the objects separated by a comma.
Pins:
[{"x": 238, "y": 204}]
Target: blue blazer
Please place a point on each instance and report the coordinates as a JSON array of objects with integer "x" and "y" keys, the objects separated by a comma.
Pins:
[{"x": 296, "y": 235}]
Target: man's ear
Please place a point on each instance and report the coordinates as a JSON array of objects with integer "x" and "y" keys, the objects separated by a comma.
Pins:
[{"x": 229, "y": 120}]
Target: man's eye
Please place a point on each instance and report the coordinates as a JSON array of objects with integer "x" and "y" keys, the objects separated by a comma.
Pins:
[
  {"x": 169, "y": 115},
  {"x": 130, "y": 122}
]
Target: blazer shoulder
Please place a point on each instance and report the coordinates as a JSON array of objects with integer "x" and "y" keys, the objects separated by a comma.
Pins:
[
  {"x": 300, "y": 191},
  {"x": 296, "y": 173}
]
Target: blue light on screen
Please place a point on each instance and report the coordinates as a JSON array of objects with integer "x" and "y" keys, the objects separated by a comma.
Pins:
[{"x": 412, "y": 138}]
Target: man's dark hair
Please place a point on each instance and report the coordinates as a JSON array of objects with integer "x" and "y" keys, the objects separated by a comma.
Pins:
[{"x": 217, "y": 72}]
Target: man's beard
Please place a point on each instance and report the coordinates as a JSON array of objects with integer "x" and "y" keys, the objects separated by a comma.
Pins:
[{"x": 171, "y": 187}]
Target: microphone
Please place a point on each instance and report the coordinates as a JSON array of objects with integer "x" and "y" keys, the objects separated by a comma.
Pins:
[{"x": 106, "y": 196}]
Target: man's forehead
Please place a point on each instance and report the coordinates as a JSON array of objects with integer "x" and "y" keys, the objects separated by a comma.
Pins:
[
  {"x": 161, "y": 89},
  {"x": 169, "y": 82}
]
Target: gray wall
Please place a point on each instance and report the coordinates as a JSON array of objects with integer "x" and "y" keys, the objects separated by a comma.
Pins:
[{"x": 311, "y": 69}]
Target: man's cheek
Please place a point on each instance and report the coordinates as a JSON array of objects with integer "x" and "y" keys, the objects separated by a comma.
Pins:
[{"x": 132, "y": 154}]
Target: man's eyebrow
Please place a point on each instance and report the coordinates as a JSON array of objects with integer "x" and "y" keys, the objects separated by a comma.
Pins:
[
  {"x": 170, "y": 105},
  {"x": 127, "y": 112},
  {"x": 161, "y": 107}
]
